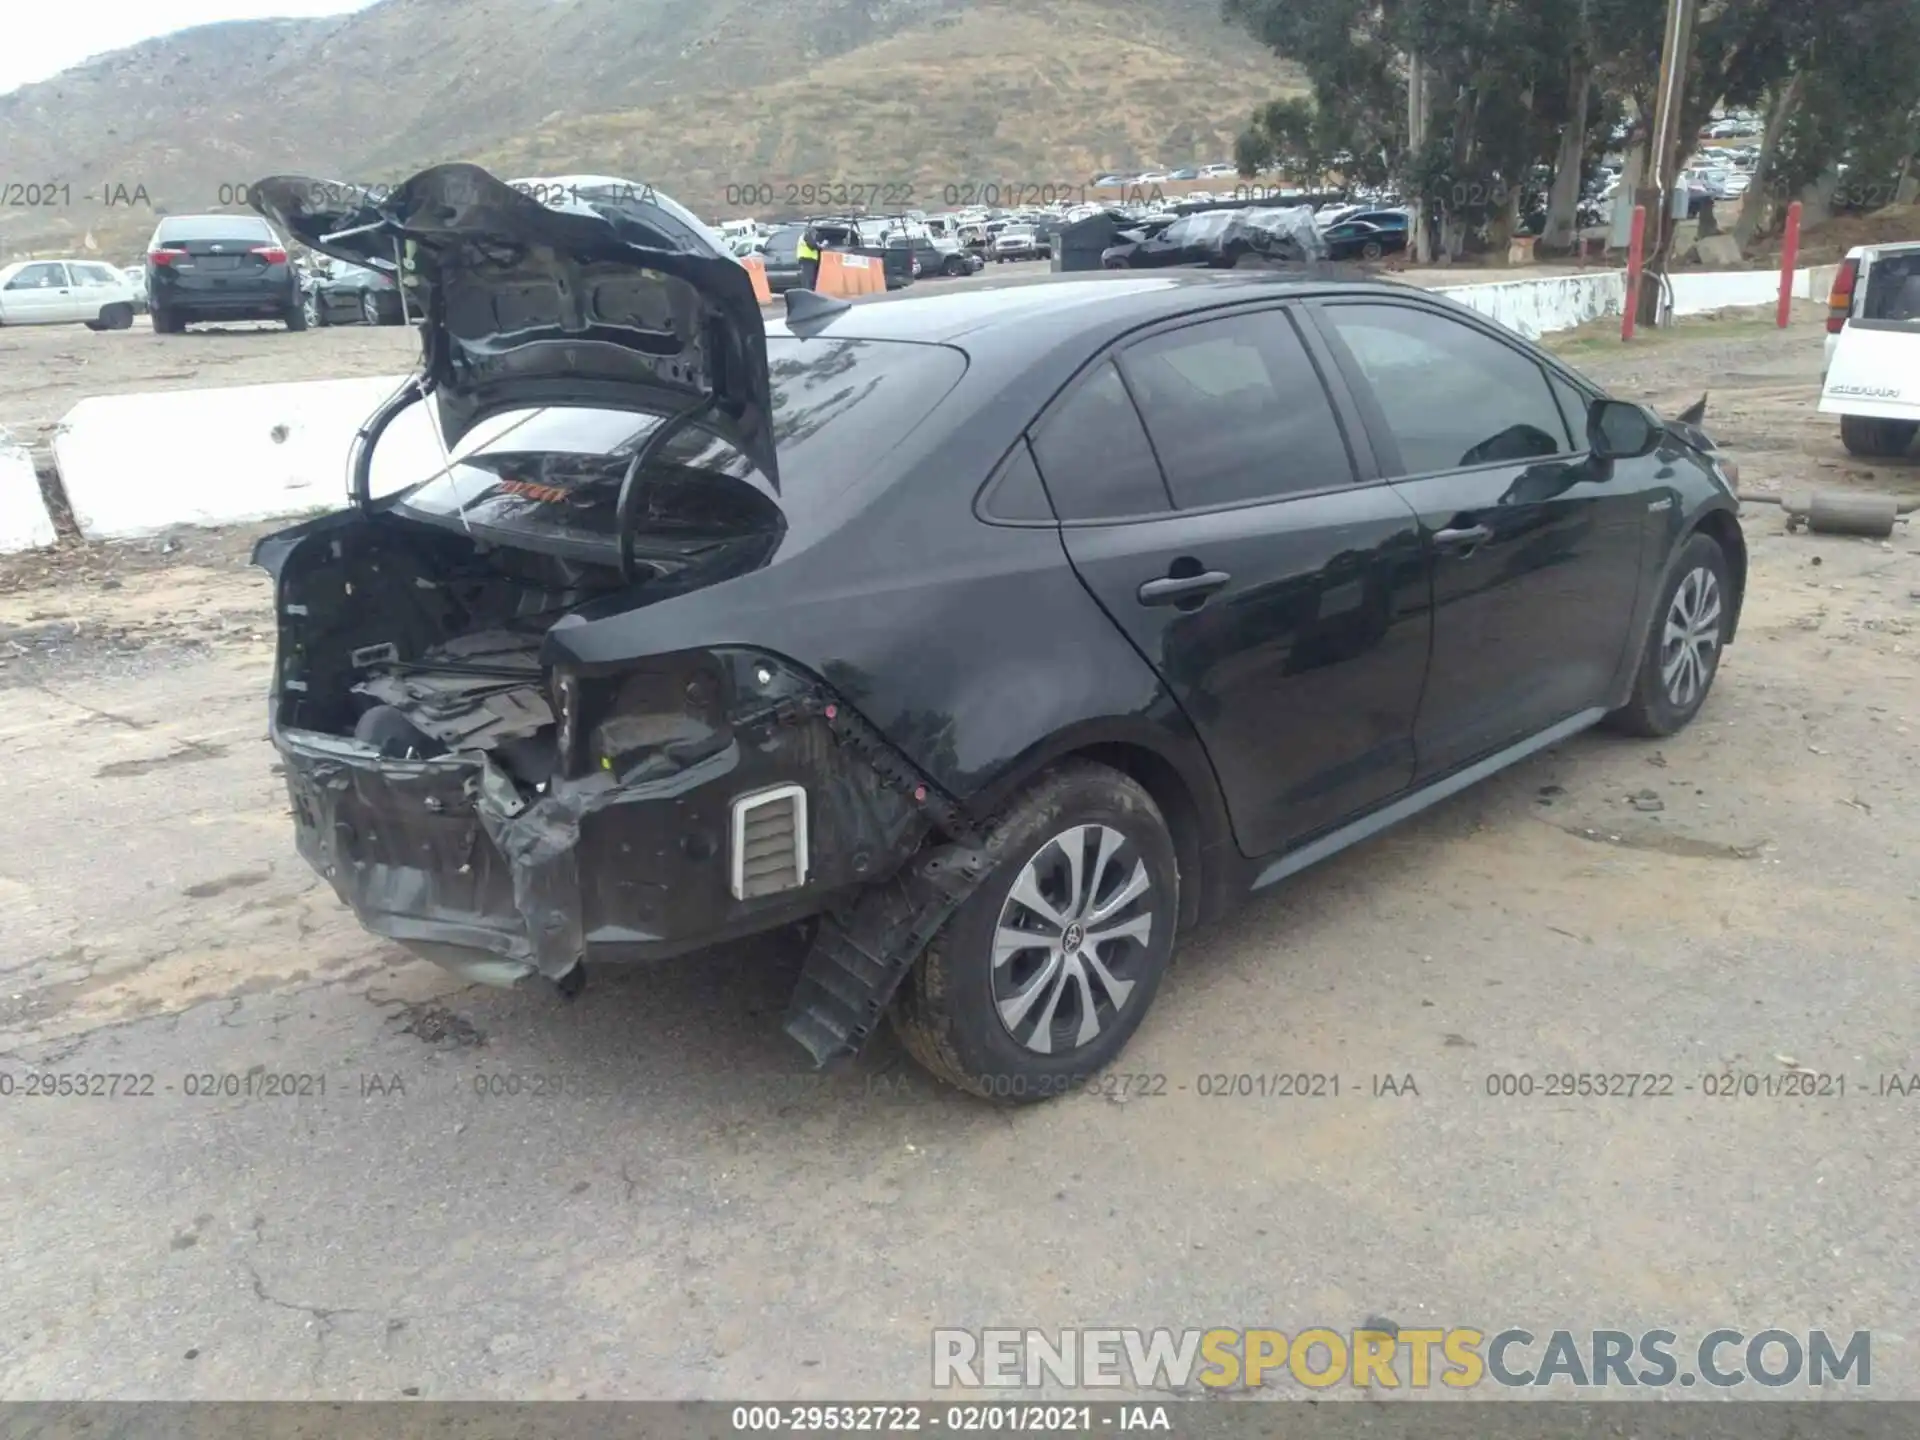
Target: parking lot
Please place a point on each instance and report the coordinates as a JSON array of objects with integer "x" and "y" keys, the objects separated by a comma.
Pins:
[{"x": 644, "y": 1192}]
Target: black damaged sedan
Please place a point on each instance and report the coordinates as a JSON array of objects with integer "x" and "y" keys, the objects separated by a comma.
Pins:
[{"x": 1001, "y": 636}]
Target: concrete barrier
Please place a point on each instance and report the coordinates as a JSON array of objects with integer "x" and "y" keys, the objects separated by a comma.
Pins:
[
  {"x": 136, "y": 464},
  {"x": 24, "y": 522},
  {"x": 1543, "y": 304},
  {"x": 1696, "y": 292}
]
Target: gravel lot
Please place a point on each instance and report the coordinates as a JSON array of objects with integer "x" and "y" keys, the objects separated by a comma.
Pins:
[{"x": 687, "y": 1212}]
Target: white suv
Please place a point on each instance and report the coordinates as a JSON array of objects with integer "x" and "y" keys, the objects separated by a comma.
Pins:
[{"x": 65, "y": 292}]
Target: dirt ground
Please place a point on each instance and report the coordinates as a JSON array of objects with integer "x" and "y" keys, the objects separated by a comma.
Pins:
[{"x": 684, "y": 1210}]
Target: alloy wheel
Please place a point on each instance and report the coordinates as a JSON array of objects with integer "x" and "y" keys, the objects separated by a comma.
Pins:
[
  {"x": 1690, "y": 643},
  {"x": 369, "y": 307},
  {"x": 1072, "y": 939}
]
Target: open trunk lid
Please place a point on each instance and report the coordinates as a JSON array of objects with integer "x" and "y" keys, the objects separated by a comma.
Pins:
[{"x": 581, "y": 291}]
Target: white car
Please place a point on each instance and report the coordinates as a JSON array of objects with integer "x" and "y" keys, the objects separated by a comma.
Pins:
[
  {"x": 1872, "y": 379},
  {"x": 65, "y": 292}
]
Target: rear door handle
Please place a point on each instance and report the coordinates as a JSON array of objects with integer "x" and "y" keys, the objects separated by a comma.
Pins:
[
  {"x": 1175, "y": 588},
  {"x": 1464, "y": 540}
]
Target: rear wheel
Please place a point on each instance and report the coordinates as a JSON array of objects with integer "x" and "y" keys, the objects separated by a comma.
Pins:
[
  {"x": 1041, "y": 977},
  {"x": 296, "y": 317},
  {"x": 165, "y": 322},
  {"x": 1371, "y": 250},
  {"x": 1682, "y": 652},
  {"x": 118, "y": 316},
  {"x": 369, "y": 307},
  {"x": 1864, "y": 435}
]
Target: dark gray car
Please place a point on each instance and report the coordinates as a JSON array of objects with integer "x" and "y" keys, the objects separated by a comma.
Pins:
[
  {"x": 343, "y": 294},
  {"x": 220, "y": 267}
]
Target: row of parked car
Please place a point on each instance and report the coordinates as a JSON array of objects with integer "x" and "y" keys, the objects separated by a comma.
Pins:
[
  {"x": 913, "y": 248},
  {"x": 200, "y": 268}
]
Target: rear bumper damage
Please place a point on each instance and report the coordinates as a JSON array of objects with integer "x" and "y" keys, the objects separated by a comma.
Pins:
[{"x": 461, "y": 862}]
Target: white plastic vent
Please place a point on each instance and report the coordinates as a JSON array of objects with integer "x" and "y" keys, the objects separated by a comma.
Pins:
[{"x": 769, "y": 842}]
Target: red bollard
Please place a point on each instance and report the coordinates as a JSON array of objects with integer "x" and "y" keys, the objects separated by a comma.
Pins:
[
  {"x": 1636, "y": 258},
  {"x": 1789, "y": 253}
]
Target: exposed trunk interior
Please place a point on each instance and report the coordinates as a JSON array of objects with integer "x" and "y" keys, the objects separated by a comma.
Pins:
[{"x": 420, "y": 641}]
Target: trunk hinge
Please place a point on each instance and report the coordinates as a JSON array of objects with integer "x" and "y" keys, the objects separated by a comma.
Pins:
[
  {"x": 629, "y": 486},
  {"x": 361, "y": 452}
]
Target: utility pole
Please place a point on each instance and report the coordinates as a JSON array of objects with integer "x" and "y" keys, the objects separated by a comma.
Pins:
[
  {"x": 1657, "y": 194},
  {"x": 1416, "y": 146}
]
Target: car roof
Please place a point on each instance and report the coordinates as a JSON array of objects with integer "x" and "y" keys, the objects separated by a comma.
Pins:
[{"x": 1038, "y": 306}]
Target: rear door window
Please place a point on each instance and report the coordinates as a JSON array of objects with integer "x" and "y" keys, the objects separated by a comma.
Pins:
[
  {"x": 1094, "y": 453},
  {"x": 1236, "y": 411}
]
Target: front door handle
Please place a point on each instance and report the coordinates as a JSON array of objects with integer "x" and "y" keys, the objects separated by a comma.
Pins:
[
  {"x": 1177, "y": 588},
  {"x": 1463, "y": 541}
]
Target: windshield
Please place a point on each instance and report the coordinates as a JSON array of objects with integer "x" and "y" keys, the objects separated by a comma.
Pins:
[{"x": 549, "y": 478}]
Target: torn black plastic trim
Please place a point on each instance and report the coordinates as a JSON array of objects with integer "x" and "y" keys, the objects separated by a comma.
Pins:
[{"x": 861, "y": 954}]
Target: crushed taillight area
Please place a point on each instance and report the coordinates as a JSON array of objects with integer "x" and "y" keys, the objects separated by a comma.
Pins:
[{"x": 1840, "y": 300}]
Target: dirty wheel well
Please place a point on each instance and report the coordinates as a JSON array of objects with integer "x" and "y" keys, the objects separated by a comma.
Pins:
[
  {"x": 1160, "y": 780},
  {"x": 1721, "y": 528}
]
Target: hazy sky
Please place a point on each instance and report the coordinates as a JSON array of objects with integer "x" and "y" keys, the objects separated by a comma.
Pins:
[{"x": 42, "y": 40}]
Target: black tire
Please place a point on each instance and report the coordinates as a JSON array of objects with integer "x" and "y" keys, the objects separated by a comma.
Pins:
[
  {"x": 94, "y": 324},
  {"x": 1659, "y": 707},
  {"x": 296, "y": 317},
  {"x": 165, "y": 322},
  {"x": 118, "y": 316},
  {"x": 1864, "y": 435},
  {"x": 946, "y": 1012},
  {"x": 1371, "y": 250}
]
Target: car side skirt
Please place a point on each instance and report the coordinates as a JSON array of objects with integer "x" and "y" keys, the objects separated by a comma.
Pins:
[{"x": 1433, "y": 793}]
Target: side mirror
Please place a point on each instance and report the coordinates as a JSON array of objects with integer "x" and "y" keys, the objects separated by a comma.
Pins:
[{"x": 1621, "y": 430}]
